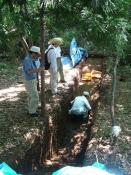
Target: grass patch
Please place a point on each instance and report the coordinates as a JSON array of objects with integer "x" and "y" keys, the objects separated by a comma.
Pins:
[{"x": 7, "y": 69}]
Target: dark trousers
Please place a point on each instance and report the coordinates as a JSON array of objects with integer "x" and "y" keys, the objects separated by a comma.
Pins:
[{"x": 79, "y": 117}]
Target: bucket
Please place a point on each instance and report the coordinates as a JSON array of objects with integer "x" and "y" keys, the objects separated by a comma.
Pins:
[{"x": 86, "y": 76}]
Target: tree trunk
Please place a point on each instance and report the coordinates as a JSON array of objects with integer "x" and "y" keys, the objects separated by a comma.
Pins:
[
  {"x": 45, "y": 133},
  {"x": 42, "y": 59},
  {"x": 113, "y": 96}
]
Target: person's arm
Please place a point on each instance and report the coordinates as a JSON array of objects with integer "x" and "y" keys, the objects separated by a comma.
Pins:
[
  {"x": 87, "y": 105},
  {"x": 71, "y": 103},
  {"x": 88, "y": 108},
  {"x": 35, "y": 70},
  {"x": 52, "y": 59},
  {"x": 29, "y": 69}
]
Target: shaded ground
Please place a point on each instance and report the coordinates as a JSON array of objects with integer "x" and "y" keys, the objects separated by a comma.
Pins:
[{"x": 18, "y": 130}]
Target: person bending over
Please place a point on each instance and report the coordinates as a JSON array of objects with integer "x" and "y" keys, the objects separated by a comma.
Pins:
[{"x": 80, "y": 107}]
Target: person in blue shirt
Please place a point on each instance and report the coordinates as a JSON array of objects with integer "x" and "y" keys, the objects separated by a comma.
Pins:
[
  {"x": 31, "y": 66},
  {"x": 80, "y": 107}
]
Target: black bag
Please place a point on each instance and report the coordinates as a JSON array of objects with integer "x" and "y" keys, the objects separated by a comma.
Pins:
[{"x": 47, "y": 64}]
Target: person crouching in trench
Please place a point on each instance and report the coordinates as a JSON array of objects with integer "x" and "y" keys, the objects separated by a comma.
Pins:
[{"x": 80, "y": 107}]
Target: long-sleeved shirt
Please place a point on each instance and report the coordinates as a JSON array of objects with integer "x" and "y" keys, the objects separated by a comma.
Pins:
[
  {"x": 80, "y": 105},
  {"x": 58, "y": 51},
  {"x": 28, "y": 64},
  {"x": 52, "y": 56}
]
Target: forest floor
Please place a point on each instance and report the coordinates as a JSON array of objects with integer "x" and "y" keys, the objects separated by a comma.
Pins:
[{"x": 18, "y": 130}]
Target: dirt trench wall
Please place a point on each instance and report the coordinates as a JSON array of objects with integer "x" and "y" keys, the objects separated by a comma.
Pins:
[
  {"x": 68, "y": 140},
  {"x": 57, "y": 112},
  {"x": 59, "y": 117}
]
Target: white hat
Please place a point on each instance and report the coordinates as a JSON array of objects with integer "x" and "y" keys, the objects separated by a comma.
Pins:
[
  {"x": 35, "y": 49},
  {"x": 85, "y": 93},
  {"x": 57, "y": 41}
]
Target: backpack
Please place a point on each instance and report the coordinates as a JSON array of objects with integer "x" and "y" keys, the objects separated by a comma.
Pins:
[{"x": 47, "y": 64}]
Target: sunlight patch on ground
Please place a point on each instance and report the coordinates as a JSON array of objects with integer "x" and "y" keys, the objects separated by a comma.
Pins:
[
  {"x": 11, "y": 93},
  {"x": 31, "y": 135}
]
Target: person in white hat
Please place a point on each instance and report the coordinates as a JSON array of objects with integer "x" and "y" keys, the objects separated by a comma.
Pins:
[
  {"x": 53, "y": 53},
  {"x": 31, "y": 66},
  {"x": 80, "y": 107}
]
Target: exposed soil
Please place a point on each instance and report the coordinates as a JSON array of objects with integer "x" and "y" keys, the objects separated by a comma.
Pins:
[{"x": 73, "y": 143}]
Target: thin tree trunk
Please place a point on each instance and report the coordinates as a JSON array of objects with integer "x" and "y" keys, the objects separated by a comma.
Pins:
[
  {"x": 113, "y": 95},
  {"x": 43, "y": 112},
  {"x": 45, "y": 137}
]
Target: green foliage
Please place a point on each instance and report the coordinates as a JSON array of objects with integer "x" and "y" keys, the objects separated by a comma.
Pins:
[
  {"x": 17, "y": 20},
  {"x": 100, "y": 25},
  {"x": 7, "y": 69}
]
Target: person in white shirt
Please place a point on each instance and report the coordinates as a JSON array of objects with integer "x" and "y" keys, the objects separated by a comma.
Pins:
[
  {"x": 60, "y": 66},
  {"x": 80, "y": 107},
  {"x": 52, "y": 58}
]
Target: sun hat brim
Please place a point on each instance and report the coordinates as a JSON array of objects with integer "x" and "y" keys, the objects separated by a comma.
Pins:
[
  {"x": 35, "y": 49},
  {"x": 57, "y": 41}
]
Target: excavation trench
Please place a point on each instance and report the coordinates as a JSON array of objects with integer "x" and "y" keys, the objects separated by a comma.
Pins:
[{"x": 68, "y": 139}]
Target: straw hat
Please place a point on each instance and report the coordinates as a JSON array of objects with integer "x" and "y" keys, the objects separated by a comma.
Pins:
[{"x": 57, "y": 41}]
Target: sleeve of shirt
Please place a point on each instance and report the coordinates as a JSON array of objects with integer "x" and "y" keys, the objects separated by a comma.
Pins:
[
  {"x": 72, "y": 102},
  {"x": 58, "y": 51},
  {"x": 52, "y": 59},
  {"x": 27, "y": 65},
  {"x": 87, "y": 105}
]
